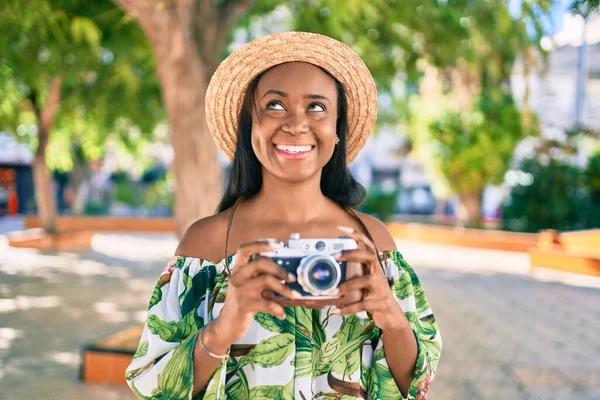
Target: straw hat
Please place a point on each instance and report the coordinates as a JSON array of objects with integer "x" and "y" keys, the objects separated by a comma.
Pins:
[{"x": 229, "y": 83}]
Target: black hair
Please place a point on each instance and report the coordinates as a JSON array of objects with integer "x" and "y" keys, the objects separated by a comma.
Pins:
[{"x": 245, "y": 176}]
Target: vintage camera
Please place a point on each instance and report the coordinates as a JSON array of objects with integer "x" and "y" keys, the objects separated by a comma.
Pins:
[{"x": 313, "y": 263}]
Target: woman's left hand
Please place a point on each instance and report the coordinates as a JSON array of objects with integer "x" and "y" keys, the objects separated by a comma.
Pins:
[{"x": 378, "y": 299}]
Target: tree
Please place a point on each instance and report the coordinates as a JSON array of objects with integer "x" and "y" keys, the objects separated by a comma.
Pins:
[
  {"x": 465, "y": 119},
  {"x": 467, "y": 51},
  {"x": 188, "y": 38},
  {"x": 65, "y": 65}
]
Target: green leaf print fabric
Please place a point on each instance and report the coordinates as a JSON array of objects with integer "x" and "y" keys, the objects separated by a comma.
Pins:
[{"x": 311, "y": 355}]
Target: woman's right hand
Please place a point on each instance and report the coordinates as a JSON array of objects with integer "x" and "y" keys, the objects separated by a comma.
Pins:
[{"x": 252, "y": 285}]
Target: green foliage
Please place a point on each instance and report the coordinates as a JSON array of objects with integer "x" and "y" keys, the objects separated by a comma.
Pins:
[
  {"x": 380, "y": 203},
  {"x": 266, "y": 392},
  {"x": 465, "y": 129},
  {"x": 156, "y": 295},
  {"x": 159, "y": 194},
  {"x": 126, "y": 193},
  {"x": 398, "y": 40},
  {"x": 474, "y": 148},
  {"x": 393, "y": 37},
  {"x": 592, "y": 179},
  {"x": 142, "y": 350},
  {"x": 93, "y": 208},
  {"x": 270, "y": 352},
  {"x": 561, "y": 196},
  {"x": 106, "y": 66},
  {"x": 585, "y": 7},
  {"x": 150, "y": 196}
]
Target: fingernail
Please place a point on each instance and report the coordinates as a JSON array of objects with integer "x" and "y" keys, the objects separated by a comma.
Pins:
[
  {"x": 296, "y": 294},
  {"x": 335, "y": 292},
  {"x": 291, "y": 278},
  {"x": 335, "y": 310},
  {"x": 345, "y": 229},
  {"x": 281, "y": 317},
  {"x": 275, "y": 244}
]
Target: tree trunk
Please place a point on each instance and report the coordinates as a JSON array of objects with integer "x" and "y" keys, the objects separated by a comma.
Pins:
[
  {"x": 188, "y": 38},
  {"x": 42, "y": 178},
  {"x": 529, "y": 64},
  {"x": 469, "y": 213},
  {"x": 78, "y": 175},
  {"x": 183, "y": 83}
]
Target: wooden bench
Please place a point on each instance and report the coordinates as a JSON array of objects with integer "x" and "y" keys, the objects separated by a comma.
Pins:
[
  {"x": 105, "y": 360},
  {"x": 106, "y": 223},
  {"x": 464, "y": 237},
  {"x": 577, "y": 252}
]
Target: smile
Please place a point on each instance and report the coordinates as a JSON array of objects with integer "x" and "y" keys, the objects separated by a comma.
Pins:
[{"x": 293, "y": 151}]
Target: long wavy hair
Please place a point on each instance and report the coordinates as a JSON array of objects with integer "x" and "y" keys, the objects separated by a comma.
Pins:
[{"x": 245, "y": 176}]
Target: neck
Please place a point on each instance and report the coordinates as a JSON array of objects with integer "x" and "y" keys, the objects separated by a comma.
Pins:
[{"x": 291, "y": 202}]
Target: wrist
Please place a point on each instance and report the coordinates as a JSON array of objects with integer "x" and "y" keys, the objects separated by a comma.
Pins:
[
  {"x": 215, "y": 337},
  {"x": 397, "y": 321},
  {"x": 396, "y": 326}
]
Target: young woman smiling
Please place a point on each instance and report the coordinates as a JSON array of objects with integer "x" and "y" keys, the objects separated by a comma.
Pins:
[{"x": 290, "y": 110}]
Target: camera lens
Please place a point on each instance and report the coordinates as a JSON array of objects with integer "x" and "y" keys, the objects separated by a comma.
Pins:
[
  {"x": 322, "y": 275},
  {"x": 319, "y": 274}
]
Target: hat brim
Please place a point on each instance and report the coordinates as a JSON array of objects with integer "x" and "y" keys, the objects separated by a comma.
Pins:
[{"x": 228, "y": 86}]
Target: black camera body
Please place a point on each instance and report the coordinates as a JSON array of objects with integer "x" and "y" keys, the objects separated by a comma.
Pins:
[{"x": 312, "y": 262}]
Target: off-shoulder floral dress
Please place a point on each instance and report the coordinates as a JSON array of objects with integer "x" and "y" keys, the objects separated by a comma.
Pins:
[{"x": 311, "y": 355}]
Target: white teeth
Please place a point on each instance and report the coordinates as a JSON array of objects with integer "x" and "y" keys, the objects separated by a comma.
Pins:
[{"x": 293, "y": 149}]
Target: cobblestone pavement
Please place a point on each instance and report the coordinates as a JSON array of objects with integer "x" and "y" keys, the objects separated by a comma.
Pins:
[{"x": 507, "y": 334}]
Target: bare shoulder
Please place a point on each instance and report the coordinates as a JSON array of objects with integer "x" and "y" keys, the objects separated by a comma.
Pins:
[
  {"x": 380, "y": 233},
  {"x": 205, "y": 238}
]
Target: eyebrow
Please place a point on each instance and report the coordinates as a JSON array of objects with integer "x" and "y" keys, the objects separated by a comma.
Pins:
[{"x": 306, "y": 96}]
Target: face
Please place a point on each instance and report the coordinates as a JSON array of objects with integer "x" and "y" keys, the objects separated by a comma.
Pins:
[{"x": 294, "y": 124}]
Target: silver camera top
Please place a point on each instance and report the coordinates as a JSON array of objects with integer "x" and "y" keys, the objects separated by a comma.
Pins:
[{"x": 300, "y": 247}]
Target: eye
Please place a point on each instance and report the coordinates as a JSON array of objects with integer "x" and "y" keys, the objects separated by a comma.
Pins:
[
  {"x": 275, "y": 105},
  {"x": 316, "y": 107}
]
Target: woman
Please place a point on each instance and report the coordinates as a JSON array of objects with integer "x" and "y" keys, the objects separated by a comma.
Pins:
[{"x": 291, "y": 110}]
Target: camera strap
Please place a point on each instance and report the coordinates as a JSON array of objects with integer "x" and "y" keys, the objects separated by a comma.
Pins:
[
  {"x": 229, "y": 225},
  {"x": 362, "y": 225},
  {"x": 367, "y": 233}
]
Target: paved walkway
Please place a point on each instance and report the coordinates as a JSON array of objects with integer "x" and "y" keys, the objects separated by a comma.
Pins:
[{"x": 506, "y": 335}]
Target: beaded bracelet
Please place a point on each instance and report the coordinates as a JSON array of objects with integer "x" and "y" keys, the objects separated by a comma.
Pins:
[{"x": 210, "y": 353}]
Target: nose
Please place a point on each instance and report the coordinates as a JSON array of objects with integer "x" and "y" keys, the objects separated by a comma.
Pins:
[{"x": 298, "y": 124}]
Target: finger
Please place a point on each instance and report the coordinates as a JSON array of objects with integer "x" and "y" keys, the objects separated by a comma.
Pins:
[
  {"x": 364, "y": 282},
  {"x": 245, "y": 251},
  {"x": 261, "y": 265},
  {"x": 371, "y": 260},
  {"x": 371, "y": 285},
  {"x": 269, "y": 282},
  {"x": 357, "y": 255},
  {"x": 269, "y": 307},
  {"x": 361, "y": 239}
]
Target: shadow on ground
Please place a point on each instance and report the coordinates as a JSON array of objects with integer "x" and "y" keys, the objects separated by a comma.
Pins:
[{"x": 506, "y": 336}]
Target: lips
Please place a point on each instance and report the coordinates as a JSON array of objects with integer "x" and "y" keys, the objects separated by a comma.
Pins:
[{"x": 293, "y": 149}]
